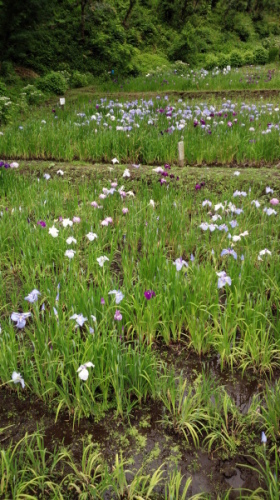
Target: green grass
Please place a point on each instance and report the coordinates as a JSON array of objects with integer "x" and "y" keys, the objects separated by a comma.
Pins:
[
  {"x": 147, "y": 131},
  {"x": 239, "y": 322},
  {"x": 187, "y": 79}
]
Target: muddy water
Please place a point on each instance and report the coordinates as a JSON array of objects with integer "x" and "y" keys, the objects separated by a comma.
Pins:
[
  {"x": 142, "y": 440},
  {"x": 240, "y": 389}
]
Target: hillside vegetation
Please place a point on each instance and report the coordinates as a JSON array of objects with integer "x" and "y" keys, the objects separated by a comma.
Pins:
[{"x": 135, "y": 36}]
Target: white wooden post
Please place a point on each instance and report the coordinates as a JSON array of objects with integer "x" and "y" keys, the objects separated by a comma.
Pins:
[{"x": 181, "y": 153}]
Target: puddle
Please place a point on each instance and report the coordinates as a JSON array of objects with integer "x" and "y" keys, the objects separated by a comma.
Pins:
[
  {"x": 235, "y": 481},
  {"x": 240, "y": 389}
]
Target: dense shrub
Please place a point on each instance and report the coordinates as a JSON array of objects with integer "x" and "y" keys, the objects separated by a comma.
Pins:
[
  {"x": 7, "y": 72},
  {"x": 181, "y": 67},
  {"x": 54, "y": 82},
  {"x": 262, "y": 28},
  {"x": 211, "y": 61},
  {"x": 146, "y": 62},
  {"x": 6, "y": 69},
  {"x": 249, "y": 57},
  {"x": 261, "y": 55},
  {"x": 32, "y": 95},
  {"x": 236, "y": 58},
  {"x": 6, "y": 109},
  {"x": 78, "y": 80},
  {"x": 224, "y": 60},
  {"x": 273, "y": 54},
  {"x": 3, "y": 88}
]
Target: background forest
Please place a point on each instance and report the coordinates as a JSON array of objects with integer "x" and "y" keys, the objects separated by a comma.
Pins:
[{"x": 134, "y": 36}]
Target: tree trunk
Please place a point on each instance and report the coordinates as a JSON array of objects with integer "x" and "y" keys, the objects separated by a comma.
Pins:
[
  {"x": 130, "y": 8},
  {"x": 83, "y": 6}
]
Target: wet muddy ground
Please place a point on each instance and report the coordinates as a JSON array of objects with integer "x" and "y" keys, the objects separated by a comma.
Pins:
[{"x": 143, "y": 439}]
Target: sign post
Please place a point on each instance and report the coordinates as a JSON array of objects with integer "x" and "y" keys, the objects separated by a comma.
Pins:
[{"x": 62, "y": 102}]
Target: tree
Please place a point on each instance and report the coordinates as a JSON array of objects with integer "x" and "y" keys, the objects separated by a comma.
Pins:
[{"x": 19, "y": 17}]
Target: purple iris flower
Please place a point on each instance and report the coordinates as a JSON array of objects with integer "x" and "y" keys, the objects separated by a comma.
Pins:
[
  {"x": 6, "y": 165},
  {"x": 149, "y": 294},
  {"x": 167, "y": 166},
  {"x": 2, "y": 164},
  {"x": 229, "y": 251},
  {"x": 41, "y": 223},
  {"x": 102, "y": 301},
  {"x": 20, "y": 318},
  {"x": 197, "y": 187}
]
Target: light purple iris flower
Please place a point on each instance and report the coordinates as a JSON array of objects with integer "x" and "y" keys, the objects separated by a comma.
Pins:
[
  {"x": 233, "y": 223},
  {"x": 33, "y": 296},
  {"x": 20, "y": 318},
  {"x": 118, "y": 316},
  {"x": 118, "y": 295},
  {"x": 179, "y": 263},
  {"x": 263, "y": 438},
  {"x": 80, "y": 319},
  {"x": 223, "y": 279},
  {"x": 206, "y": 202},
  {"x": 229, "y": 251}
]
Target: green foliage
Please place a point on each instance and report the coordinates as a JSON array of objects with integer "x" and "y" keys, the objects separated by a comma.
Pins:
[
  {"x": 54, "y": 82},
  {"x": 262, "y": 28},
  {"x": 273, "y": 54},
  {"x": 236, "y": 58},
  {"x": 211, "y": 61},
  {"x": 7, "y": 72},
  {"x": 181, "y": 67},
  {"x": 32, "y": 95},
  {"x": 249, "y": 57},
  {"x": 129, "y": 36},
  {"x": 223, "y": 60},
  {"x": 78, "y": 80},
  {"x": 3, "y": 88},
  {"x": 243, "y": 26},
  {"x": 261, "y": 55},
  {"x": 147, "y": 63},
  {"x": 6, "y": 109}
]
